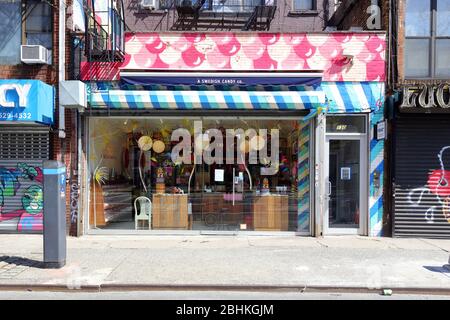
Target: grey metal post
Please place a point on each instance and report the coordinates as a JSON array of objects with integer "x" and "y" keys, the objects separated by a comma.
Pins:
[{"x": 54, "y": 214}]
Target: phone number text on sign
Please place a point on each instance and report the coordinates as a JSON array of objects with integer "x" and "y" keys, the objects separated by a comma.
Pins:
[{"x": 11, "y": 115}]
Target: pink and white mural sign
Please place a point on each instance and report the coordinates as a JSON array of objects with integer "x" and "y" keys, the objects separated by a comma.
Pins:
[
  {"x": 328, "y": 52},
  {"x": 341, "y": 56}
]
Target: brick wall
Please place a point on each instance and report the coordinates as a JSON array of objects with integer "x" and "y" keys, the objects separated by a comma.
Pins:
[
  {"x": 353, "y": 13},
  {"x": 285, "y": 20},
  {"x": 49, "y": 75}
]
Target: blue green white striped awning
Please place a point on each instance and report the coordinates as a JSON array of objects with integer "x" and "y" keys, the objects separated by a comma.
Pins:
[
  {"x": 190, "y": 99},
  {"x": 335, "y": 97}
]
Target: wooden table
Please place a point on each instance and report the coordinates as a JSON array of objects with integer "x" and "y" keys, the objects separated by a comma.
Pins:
[
  {"x": 271, "y": 213},
  {"x": 170, "y": 211}
]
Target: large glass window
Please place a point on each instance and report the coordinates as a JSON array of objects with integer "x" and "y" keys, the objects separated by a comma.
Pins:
[
  {"x": 443, "y": 57},
  {"x": 417, "y": 58},
  {"x": 418, "y": 18},
  {"x": 10, "y": 35},
  {"x": 427, "y": 32},
  {"x": 233, "y": 174},
  {"x": 443, "y": 18}
]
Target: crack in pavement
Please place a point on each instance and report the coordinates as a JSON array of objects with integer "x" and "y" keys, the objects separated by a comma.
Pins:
[{"x": 434, "y": 245}]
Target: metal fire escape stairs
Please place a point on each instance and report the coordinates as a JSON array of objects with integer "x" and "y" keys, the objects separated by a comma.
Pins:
[{"x": 201, "y": 15}]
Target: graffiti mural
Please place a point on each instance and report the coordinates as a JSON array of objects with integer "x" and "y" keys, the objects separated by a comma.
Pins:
[
  {"x": 438, "y": 186},
  {"x": 256, "y": 51},
  {"x": 21, "y": 198}
]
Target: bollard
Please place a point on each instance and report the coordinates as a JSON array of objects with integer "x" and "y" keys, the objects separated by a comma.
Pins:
[{"x": 54, "y": 214}]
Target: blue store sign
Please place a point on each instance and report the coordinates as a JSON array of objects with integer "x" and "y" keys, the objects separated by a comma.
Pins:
[{"x": 26, "y": 101}]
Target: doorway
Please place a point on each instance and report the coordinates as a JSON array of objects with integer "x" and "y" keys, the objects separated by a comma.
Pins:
[{"x": 345, "y": 179}]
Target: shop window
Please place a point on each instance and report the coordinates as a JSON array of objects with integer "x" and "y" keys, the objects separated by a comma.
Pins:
[
  {"x": 11, "y": 30},
  {"x": 248, "y": 184},
  {"x": 427, "y": 39}
]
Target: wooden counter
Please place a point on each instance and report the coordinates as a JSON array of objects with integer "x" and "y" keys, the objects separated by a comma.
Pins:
[
  {"x": 271, "y": 213},
  {"x": 170, "y": 211}
]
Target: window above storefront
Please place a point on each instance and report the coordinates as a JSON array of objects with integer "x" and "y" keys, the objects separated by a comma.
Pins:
[
  {"x": 24, "y": 23},
  {"x": 427, "y": 39}
]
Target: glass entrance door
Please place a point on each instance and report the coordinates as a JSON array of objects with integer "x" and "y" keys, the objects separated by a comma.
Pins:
[{"x": 345, "y": 185}]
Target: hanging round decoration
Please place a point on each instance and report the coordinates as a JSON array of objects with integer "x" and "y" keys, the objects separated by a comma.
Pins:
[
  {"x": 158, "y": 146},
  {"x": 145, "y": 143},
  {"x": 257, "y": 143}
]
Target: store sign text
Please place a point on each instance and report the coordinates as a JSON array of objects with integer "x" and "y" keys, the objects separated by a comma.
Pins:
[
  {"x": 219, "y": 81},
  {"x": 21, "y": 91},
  {"x": 429, "y": 96}
]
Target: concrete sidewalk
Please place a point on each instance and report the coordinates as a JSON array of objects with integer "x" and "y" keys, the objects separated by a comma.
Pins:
[{"x": 214, "y": 262}]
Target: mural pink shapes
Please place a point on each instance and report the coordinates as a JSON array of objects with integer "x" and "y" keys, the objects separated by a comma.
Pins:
[
  {"x": 263, "y": 51},
  {"x": 439, "y": 183}
]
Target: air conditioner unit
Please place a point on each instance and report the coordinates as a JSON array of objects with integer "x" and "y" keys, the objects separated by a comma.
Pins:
[
  {"x": 73, "y": 95},
  {"x": 35, "y": 54},
  {"x": 150, "y": 4}
]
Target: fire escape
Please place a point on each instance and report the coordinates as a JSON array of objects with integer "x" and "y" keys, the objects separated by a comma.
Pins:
[
  {"x": 105, "y": 27},
  {"x": 224, "y": 14}
]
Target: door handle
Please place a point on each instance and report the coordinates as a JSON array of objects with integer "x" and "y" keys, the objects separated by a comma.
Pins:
[{"x": 329, "y": 188}]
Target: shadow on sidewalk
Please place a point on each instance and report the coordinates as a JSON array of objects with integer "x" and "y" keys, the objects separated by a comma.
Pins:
[
  {"x": 443, "y": 269},
  {"x": 21, "y": 261}
]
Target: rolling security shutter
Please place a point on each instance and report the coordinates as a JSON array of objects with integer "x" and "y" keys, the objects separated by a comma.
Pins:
[
  {"x": 22, "y": 151},
  {"x": 422, "y": 189}
]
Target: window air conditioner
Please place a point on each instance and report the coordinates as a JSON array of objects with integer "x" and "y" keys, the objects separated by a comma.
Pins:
[
  {"x": 149, "y": 4},
  {"x": 35, "y": 54}
]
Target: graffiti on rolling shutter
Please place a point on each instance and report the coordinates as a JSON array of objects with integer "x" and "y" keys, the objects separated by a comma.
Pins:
[
  {"x": 21, "y": 197},
  {"x": 438, "y": 185}
]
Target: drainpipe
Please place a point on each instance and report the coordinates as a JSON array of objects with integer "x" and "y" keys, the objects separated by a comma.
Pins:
[{"x": 61, "y": 67}]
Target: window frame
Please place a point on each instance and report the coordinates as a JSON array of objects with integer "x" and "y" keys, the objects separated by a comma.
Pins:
[
  {"x": 26, "y": 11},
  {"x": 432, "y": 38},
  {"x": 314, "y": 8}
]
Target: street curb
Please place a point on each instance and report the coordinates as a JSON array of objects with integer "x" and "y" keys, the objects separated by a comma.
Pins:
[{"x": 245, "y": 288}]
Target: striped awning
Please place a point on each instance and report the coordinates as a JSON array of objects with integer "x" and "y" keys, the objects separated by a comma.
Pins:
[
  {"x": 335, "y": 97},
  {"x": 352, "y": 97},
  {"x": 136, "y": 99}
]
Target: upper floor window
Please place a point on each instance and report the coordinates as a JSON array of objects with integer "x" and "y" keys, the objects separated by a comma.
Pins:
[
  {"x": 427, "y": 39},
  {"x": 11, "y": 32},
  {"x": 23, "y": 22},
  {"x": 38, "y": 23},
  {"x": 303, "y": 5}
]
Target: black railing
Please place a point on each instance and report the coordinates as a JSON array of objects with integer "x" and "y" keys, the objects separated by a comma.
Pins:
[
  {"x": 104, "y": 41},
  {"x": 243, "y": 14}
]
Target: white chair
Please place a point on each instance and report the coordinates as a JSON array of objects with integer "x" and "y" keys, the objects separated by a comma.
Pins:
[{"x": 145, "y": 211}]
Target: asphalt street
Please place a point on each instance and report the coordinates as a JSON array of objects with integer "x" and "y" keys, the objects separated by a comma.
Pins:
[{"x": 208, "y": 295}]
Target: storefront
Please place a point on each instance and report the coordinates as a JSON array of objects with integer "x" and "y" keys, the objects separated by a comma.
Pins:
[
  {"x": 420, "y": 178},
  {"x": 26, "y": 114},
  {"x": 235, "y": 151}
]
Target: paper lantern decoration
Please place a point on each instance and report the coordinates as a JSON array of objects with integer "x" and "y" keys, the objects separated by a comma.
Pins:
[
  {"x": 257, "y": 143},
  {"x": 158, "y": 146},
  {"x": 145, "y": 143}
]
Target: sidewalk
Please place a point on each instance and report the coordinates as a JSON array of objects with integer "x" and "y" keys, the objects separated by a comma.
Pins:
[{"x": 202, "y": 262}]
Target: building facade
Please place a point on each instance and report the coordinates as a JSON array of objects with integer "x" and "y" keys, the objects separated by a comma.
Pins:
[
  {"x": 31, "y": 127},
  {"x": 417, "y": 97},
  {"x": 260, "y": 127}
]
